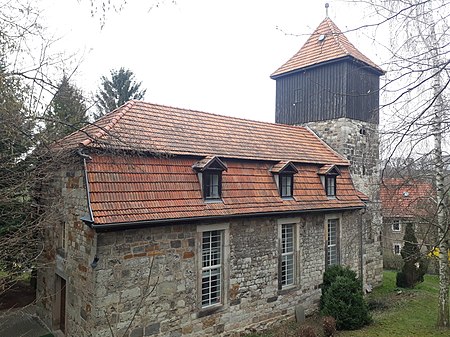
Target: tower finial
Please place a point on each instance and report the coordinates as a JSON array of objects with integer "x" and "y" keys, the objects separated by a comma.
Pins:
[{"x": 326, "y": 9}]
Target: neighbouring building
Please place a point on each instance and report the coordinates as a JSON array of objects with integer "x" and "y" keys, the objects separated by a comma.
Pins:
[
  {"x": 406, "y": 200},
  {"x": 173, "y": 222}
]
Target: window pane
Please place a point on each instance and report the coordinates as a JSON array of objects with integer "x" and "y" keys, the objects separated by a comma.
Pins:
[
  {"x": 287, "y": 255},
  {"x": 286, "y": 185},
  {"x": 331, "y": 185},
  {"x": 211, "y": 267},
  {"x": 287, "y": 270},
  {"x": 333, "y": 242},
  {"x": 396, "y": 226},
  {"x": 212, "y": 184}
]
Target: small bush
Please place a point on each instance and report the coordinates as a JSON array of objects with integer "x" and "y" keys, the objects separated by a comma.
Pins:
[
  {"x": 306, "y": 331},
  {"x": 392, "y": 261},
  {"x": 330, "y": 276},
  {"x": 377, "y": 304},
  {"x": 329, "y": 326},
  {"x": 344, "y": 300}
]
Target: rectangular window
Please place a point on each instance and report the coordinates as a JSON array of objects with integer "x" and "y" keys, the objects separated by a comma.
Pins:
[
  {"x": 212, "y": 267},
  {"x": 397, "y": 248},
  {"x": 59, "y": 317},
  {"x": 332, "y": 246},
  {"x": 330, "y": 185},
  {"x": 396, "y": 225},
  {"x": 286, "y": 185},
  {"x": 64, "y": 236},
  {"x": 287, "y": 271},
  {"x": 212, "y": 181}
]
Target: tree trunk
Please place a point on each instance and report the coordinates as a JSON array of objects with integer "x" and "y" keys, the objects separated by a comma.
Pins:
[
  {"x": 443, "y": 312},
  {"x": 430, "y": 40}
]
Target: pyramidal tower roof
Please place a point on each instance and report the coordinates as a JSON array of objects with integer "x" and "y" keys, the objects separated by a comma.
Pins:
[{"x": 326, "y": 44}]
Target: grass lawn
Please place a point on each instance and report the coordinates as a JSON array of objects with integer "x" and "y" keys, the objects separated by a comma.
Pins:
[{"x": 413, "y": 312}]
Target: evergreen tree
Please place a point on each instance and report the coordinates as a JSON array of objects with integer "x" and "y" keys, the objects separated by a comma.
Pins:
[
  {"x": 16, "y": 141},
  {"x": 343, "y": 299},
  {"x": 67, "y": 111},
  {"x": 16, "y": 127},
  {"x": 117, "y": 90},
  {"x": 414, "y": 266}
]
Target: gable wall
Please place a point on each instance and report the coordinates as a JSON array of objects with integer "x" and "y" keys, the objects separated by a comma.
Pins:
[
  {"x": 252, "y": 298},
  {"x": 65, "y": 204}
]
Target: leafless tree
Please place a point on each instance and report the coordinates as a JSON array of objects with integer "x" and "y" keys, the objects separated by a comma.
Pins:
[{"x": 415, "y": 100}]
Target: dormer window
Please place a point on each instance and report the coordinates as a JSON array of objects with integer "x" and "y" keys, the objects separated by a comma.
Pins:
[
  {"x": 209, "y": 171},
  {"x": 212, "y": 184},
  {"x": 328, "y": 174},
  {"x": 286, "y": 185},
  {"x": 283, "y": 173},
  {"x": 330, "y": 185}
]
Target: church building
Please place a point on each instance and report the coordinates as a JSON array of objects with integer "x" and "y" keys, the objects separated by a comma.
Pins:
[{"x": 174, "y": 222}]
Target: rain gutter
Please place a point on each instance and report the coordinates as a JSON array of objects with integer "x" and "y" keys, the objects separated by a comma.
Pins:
[
  {"x": 149, "y": 223},
  {"x": 88, "y": 194}
]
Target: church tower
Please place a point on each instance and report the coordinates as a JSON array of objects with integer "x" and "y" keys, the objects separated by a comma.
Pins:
[{"x": 332, "y": 88}]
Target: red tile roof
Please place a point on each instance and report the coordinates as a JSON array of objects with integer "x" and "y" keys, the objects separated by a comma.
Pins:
[
  {"x": 333, "y": 46},
  {"x": 145, "y": 188},
  {"x": 166, "y": 130},
  {"x": 406, "y": 197}
]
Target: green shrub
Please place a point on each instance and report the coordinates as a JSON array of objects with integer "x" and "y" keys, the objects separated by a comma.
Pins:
[
  {"x": 392, "y": 261},
  {"x": 415, "y": 266},
  {"x": 330, "y": 276},
  {"x": 343, "y": 299}
]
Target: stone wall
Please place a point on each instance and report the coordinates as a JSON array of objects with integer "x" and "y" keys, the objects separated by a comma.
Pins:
[
  {"x": 69, "y": 249},
  {"x": 132, "y": 262},
  {"x": 358, "y": 141}
]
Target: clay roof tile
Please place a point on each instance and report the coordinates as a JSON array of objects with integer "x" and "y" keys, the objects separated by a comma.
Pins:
[
  {"x": 159, "y": 129},
  {"x": 327, "y": 43}
]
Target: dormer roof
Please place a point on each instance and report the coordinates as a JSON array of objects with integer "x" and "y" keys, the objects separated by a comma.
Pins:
[
  {"x": 284, "y": 166},
  {"x": 326, "y": 44},
  {"x": 209, "y": 162},
  {"x": 329, "y": 169}
]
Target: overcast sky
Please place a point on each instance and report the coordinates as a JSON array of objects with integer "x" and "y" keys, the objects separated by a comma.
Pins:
[{"x": 208, "y": 55}]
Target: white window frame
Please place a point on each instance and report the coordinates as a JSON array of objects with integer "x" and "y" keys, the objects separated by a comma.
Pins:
[
  {"x": 396, "y": 221},
  {"x": 337, "y": 245},
  {"x": 282, "y": 223},
  {"x": 222, "y": 267}
]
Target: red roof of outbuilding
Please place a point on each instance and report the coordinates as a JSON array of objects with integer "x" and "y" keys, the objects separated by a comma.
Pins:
[
  {"x": 332, "y": 45},
  {"x": 406, "y": 197}
]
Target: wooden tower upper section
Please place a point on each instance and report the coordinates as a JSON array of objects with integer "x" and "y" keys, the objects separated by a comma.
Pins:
[{"x": 328, "y": 78}]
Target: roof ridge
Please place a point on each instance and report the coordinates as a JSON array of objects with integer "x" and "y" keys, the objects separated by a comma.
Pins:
[
  {"x": 215, "y": 115},
  {"x": 120, "y": 111}
]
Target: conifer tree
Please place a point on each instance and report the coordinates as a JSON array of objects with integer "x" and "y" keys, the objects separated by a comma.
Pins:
[
  {"x": 117, "y": 90},
  {"x": 414, "y": 266},
  {"x": 67, "y": 111}
]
